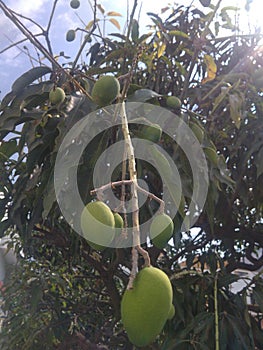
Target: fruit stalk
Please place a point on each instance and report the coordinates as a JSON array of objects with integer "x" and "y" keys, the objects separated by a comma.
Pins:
[
  {"x": 114, "y": 184},
  {"x": 135, "y": 206}
]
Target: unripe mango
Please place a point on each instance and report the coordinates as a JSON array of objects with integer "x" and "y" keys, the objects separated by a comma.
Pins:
[
  {"x": 145, "y": 308},
  {"x": 71, "y": 35},
  {"x": 56, "y": 95},
  {"x": 118, "y": 221},
  {"x": 105, "y": 90},
  {"x": 98, "y": 225},
  {"x": 152, "y": 132},
  {"x": 74, "y": 4},
  {"x": 161, "y": 230},
  {"x": 173, "y": 102}
]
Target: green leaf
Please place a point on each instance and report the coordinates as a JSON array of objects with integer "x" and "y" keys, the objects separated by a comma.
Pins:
[
  {"x": 211, "y": 155},
  {"x": 161, "y": 49},
  {"x": 8, "y": 148},
  {"x": 230, "y": 8},
  {"x": 135, "y": 30},
  {"x": 178, "y": 33},
  {"x": 91, "y": 23},
  {"x": 259, "y": 162},
  {"x": 36, "y": 296},
  {"x": 118, "y": 35},
  {"x": 167, "y": 175},
  {"x": 49, "y": 197},
  {"x": 6, "y": 100},
  {"x": 235, "y": 103},
  {"x": 144, "y": 37},
  {"x": 238, "y": 332},
  {"x": 258, "y": 296},
  {"x": 227, "y": 280},
  {"x": 143, "y": 95},
  {"x": 205, "y": 3},
  {"x": 29, "y": 77},
  {"x": 11, "y": 115},
  {"x": 4, "y": 225},
  {"x": 220, "y": 98}
]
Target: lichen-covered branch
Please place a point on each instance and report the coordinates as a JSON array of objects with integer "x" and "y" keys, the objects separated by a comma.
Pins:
[{"x": 135, "y": 205}]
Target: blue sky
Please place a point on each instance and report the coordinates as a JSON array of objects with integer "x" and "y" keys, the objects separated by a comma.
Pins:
[{"x": 14, "y": 62}]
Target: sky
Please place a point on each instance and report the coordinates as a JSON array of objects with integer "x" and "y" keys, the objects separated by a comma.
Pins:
[{"x": 14, "y": 61}]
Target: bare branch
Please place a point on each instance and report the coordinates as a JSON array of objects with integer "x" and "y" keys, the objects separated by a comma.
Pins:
[{"x": 31, "y": 37}]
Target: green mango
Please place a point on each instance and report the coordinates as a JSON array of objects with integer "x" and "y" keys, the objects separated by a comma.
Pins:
[
  {"x": 98, "y": 225},
  {"x": 105, "y": 90},
  {"x": 118, "y": 220},
  {"x": 75, "y": 4},
  {"x": 71, "y": 35},
  {"x": 173, "y": 102},
  {"x": 56, "y": 96},
  {"x": 161, "y": 230},
  {"x": 152, "y": 132},
  {"x": 146, "y": 307},
  {"x": 119, "y": 223}
]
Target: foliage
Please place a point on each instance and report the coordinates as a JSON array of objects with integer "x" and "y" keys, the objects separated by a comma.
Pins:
[{"x": 64, "y": 294}]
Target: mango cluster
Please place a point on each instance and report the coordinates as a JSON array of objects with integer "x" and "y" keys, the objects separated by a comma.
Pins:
[{"x": 100, "y": 225}]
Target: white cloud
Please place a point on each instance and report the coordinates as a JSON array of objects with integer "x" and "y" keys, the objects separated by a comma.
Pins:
[{"x": 29, "y": 8}]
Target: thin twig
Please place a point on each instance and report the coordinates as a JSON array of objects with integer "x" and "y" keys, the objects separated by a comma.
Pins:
[
  {"x": 40, "y": 47},
  {"x": 128, "y": 182},
  {"x": 51, "y": 15},
  {"x": 86, "y": 37},
  {"x": 15, "y": 43},
  {"x": 29, "y": 19},
  {"x": 46, "y": 33}
]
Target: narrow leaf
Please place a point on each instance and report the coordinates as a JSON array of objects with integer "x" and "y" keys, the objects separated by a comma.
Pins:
[
  {"x": 220, "y": 98},
  {"x": 115, "y": 23},
  {"x": 118, "y": 35},
  {"x": 29, "y": 77},
  {"x": 164, "y": 9},
  {"x": 6, "y": 100},
  {"x": 211, "y": 68},
  {"x": 101, "y": 8},
  {"x": 91, "y": 23},
  {"x": 161, "y": 49},
  {"x": 144, "y": 37},
  {"x": 167, "y": 174},
  {"x": 235, "y": 103},
  {"x": 178, "y": 33},
  {"x": 135, "y": 30},
  {"x": 114, "y": 14},
  {"x": 230, "y": 8},
  {"x": 8, "y": 148},
  {"x": 259, "y": 162}
]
